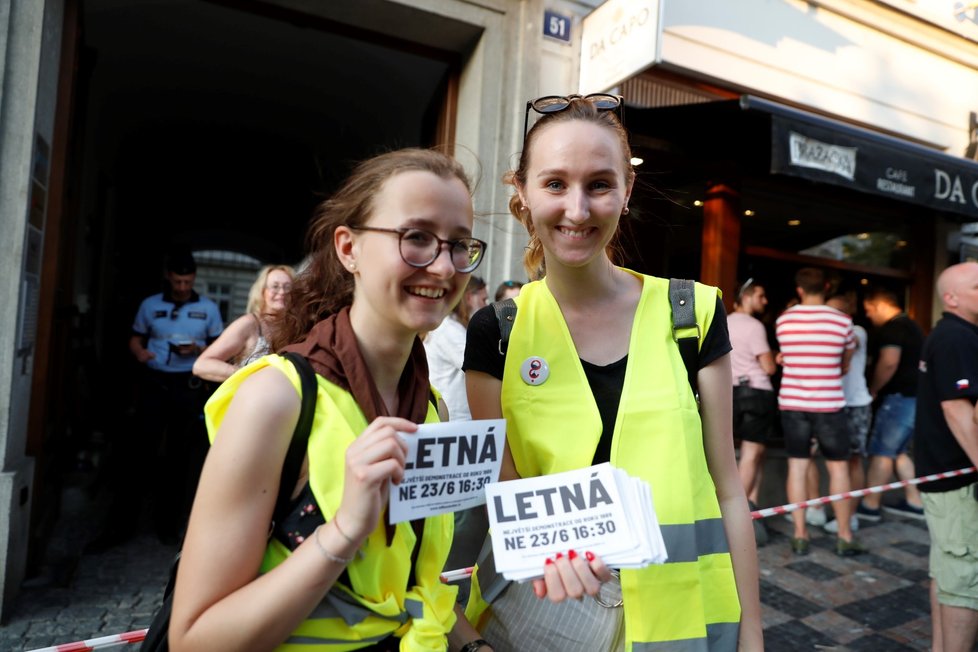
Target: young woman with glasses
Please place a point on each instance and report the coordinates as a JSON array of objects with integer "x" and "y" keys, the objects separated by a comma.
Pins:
[
  {"x": 390, "y": 254},
  {"x": 617, "y": 391},
  {"x": 246, "y": 338}
]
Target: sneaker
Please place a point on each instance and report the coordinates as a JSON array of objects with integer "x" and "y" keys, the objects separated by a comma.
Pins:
[
  {"x": 845, "y": 548},
  {"x": 868, "y": 514},
  {"x": 815, "y": 516},
  {"x": 903, "y": 508},
  {"x": 799, "y": 546},
  {"x": 832, "y": 526}
]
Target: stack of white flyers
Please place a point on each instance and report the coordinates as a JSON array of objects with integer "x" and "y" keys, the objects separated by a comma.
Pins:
[{"x": 599, "y": 509}]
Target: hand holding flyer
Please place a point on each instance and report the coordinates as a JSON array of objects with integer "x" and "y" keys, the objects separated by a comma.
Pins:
[
  {"x": 598, "y": 509},
  {"x": 448, "y": 467}
]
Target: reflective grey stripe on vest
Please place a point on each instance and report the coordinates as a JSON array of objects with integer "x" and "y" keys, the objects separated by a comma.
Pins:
[
  {"x": 415, "y": 608},
  {"x": 687, "y": 542},
  {"x": 314, "y": 640},
  {"x": 491, "y": 583},
  {"x": 337, "y": 604},
  {"x": 720, "y": 637},
  {"x": 684, "y": 543}
]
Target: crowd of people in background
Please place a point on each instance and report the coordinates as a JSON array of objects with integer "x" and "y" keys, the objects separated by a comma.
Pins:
[{"x": 874, "y": 405}]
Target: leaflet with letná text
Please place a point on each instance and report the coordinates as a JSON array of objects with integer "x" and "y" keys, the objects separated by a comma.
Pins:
[{"x": 448, "y": 467}]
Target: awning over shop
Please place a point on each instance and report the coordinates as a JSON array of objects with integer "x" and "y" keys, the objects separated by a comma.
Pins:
[{"x": 796, "y": 143}]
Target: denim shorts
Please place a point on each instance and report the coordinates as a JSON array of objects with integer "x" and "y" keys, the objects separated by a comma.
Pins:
[
  {"x": 893, "y": 426},
  {"x": 952, "y": 519},
  {"x": 829, "y": 429}
]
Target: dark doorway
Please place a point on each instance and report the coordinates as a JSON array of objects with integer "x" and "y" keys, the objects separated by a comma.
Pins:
[{"x": 214, "y": 126}]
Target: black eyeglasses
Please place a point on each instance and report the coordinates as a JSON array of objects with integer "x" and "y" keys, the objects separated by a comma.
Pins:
[
  {"x": 558, "y": 103},
  {"x": 420, "y": 248}
]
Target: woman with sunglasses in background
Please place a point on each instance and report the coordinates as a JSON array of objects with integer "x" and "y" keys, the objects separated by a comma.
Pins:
[
  {"x": 617, "y": 391},
  {"x": 390, "y": 254},
  {"x": 508, "y": 290},
  {"x": 246, "y": 339}
]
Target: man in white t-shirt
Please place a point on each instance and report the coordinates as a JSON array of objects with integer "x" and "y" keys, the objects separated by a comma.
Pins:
[
  {"x": 859, "y": 405},
  {"x": 816, "y": 344}
]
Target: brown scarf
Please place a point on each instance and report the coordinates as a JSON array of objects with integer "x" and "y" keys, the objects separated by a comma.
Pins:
[{"x": 332, "y": 349}]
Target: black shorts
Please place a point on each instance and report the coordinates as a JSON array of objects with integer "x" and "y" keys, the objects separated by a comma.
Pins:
[
  {"x": 830, "y": 429},
  {"x": 754, "y": 414}
]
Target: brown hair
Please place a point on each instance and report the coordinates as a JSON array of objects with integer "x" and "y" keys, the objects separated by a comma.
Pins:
[
  {"x": 578, "y": 109},
  {"x": 324, "y": 286},
  {"x": 461, "y": 309},
  {"x": 811, "y": 280}
]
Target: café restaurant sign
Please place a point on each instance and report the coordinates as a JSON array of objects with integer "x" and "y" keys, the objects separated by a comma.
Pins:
[
  {"x": 619, "y": 38},
  {"x": 895, "y": 170}
]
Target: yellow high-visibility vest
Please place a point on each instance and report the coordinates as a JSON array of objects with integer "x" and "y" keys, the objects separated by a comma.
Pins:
[
  {"x": 378, "y": 601},
  {"x": 690, "y": 602}
]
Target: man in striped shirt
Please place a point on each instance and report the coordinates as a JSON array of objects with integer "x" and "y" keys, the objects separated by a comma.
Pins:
[{"x": 816, "y": 344}]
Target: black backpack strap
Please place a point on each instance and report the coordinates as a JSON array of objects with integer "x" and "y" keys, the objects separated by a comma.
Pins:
[
  {"x": 685, "y": 330},
  {"x": 300, "y": 438},
  {"x": 505, "y": 314}
]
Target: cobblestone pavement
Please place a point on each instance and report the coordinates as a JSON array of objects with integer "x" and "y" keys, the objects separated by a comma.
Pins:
[{"x": 877, "y": 601}]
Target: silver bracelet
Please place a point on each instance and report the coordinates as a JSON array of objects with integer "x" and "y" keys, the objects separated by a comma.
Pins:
[
  {"x": 336, "y": 522},
  {"x": 326, "y": 553}
]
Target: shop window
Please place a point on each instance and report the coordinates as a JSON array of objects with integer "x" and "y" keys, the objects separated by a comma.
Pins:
[
  {"x": 875, "y": 249},
  {"x": 220, "y": 293},
  {"x": 226, "y": 277}
]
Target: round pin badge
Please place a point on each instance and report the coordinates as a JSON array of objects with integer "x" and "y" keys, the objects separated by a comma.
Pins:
[{"x": 534, "y": 371}]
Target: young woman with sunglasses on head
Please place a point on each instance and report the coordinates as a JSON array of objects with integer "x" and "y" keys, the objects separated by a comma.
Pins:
[
  {"x": 246, "y": 338},
  {"x": 617, "y": 391},
  {"x": 390, "y": 254}
]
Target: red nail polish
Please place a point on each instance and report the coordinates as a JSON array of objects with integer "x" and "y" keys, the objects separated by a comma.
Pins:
[
  {"x": 589, "y": 555},
  {"x": 559, "y": 555},
  {"x": 549, "y": 561},
  {"x": 572, "y": 555}
]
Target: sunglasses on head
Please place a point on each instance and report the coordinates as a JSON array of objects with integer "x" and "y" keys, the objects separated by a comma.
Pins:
[
  {"x": 557, "y": 103},
  {"x": 748, "y": 284}
]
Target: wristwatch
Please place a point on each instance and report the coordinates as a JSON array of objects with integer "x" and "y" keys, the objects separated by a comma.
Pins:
[{"x": 473, "y": 646}]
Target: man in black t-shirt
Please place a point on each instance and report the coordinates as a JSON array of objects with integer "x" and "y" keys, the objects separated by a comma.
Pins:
[
  {"x": 946, "y": 439},
  {"x": 896, "y": 346}
]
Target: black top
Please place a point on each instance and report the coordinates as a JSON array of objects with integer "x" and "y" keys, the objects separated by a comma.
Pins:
[
  {"x": 606, "y": 382},
  {"x": 903, "y": 333},
  {"x": 948, "y": 371}
]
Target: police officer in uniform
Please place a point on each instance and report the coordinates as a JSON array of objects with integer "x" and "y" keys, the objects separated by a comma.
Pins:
[{"x": 170, "y": 330}]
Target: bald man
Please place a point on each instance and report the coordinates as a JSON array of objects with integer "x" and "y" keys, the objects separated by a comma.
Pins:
[{"x": 946, "y": 439}]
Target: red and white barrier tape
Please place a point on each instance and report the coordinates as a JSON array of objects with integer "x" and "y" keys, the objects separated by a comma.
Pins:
[
  {"x": 463, "y": 573},
  {"x": 787, "y": 509},
  {"x": 100, "y": 643}
]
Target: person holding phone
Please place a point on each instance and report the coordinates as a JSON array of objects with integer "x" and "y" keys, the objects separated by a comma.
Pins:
[{"x": 170, "y": 330}]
